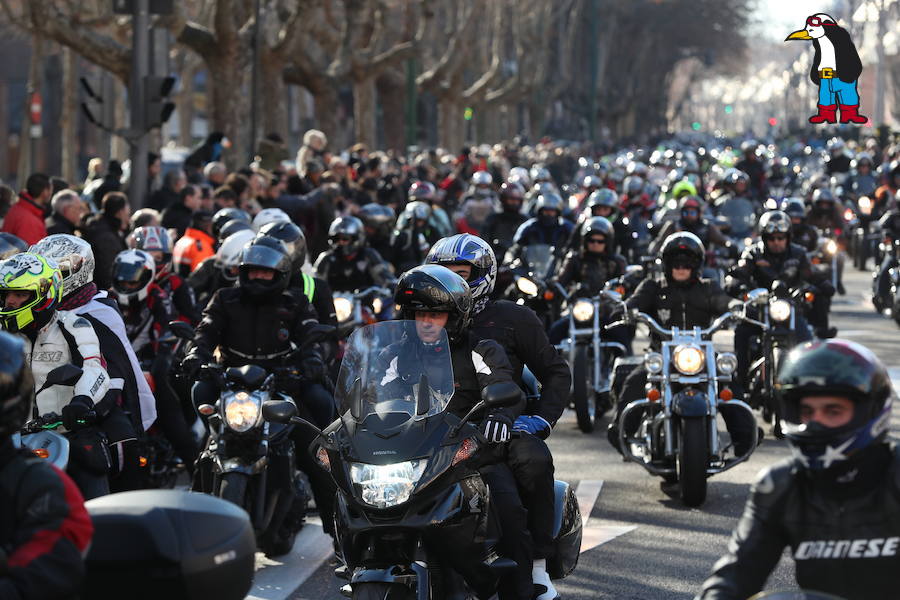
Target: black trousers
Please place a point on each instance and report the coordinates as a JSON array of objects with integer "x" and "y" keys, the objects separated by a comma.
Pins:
[
  {"x": 531, "y": 463},
  {"x": 170, "y": 414},
  {"x": 515, "y": 541}
]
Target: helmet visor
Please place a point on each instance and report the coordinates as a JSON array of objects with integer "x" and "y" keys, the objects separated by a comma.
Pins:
[{"x": 263, "y": 257}]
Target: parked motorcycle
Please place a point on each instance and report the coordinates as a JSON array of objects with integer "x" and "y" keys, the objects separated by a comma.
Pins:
[
  {"x": 678, "y": 437},
  {"x": 413, "y": 516}
]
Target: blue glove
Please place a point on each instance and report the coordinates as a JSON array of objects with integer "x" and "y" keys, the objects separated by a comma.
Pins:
[{"x": 532, "y": 424}]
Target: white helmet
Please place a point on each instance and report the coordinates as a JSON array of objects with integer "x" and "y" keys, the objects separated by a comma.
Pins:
[
  {"x": 269, "y": 215},
  {"x": 522, "y": 174},
  {"x": 74, "y": 256},
  {"x": 228, "y": 257}
]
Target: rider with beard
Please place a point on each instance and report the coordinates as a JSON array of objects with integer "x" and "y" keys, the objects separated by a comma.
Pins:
[
  {"x": 501, "y": 227},
  {"x": 548, "y": 227},
  {"x": 681, "y": 298},
  {"x": 802, "y": 233},
  {"x": 349, "y": 265},
  {"x": 774, "y": 258},
  {"x": 45, "y": 531},
  {"x": 690, "y": 211},
  {"x": 521, "y": 334},
  {"x": 835, "y": 502},
  {"x": 265, "y": 322},
  {"x": 437, "y": 298},
  {"x": 378, "y": 221}
]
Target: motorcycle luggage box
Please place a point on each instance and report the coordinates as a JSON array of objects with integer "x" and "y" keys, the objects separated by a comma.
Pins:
[
  {"x": 168, "y": 544},
  {"x": 566, "y": 531}
]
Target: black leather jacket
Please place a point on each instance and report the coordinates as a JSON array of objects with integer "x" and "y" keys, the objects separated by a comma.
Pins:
[
  {"x": 693, "y": 305},
  {"x": 843, "y": 544},
  {"x": 759, "y": 268},
  {"x": 364, "y": 270},
  {"x": 589, "y": 271},
  {"x": 500, "y": 228}
]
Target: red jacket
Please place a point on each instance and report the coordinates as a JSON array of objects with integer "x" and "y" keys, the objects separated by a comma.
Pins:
[{"x": 26, "y": 220}]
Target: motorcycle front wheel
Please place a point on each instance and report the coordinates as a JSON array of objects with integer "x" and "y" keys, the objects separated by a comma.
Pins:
[
  {"x": 233, "y": 487},
  {"x": 581, "y": 391},
  {"x": 372, "y": 590},
  {"x": 693, "y": 455}
]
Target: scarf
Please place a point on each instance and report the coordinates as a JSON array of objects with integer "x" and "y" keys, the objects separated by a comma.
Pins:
[{"x": 79, "y": 297}]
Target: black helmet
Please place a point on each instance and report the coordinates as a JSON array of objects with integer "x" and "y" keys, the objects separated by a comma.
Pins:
[
  {"x": 834, "y": 368},
  {"x": 822, "y": 195},
  {"x": 232, "y": 227},
  {"x": 793, "y": 208},
  {"x": 11, "y": 244},
  {"x": 292, "y": 237},
  {"x": 16, "y": 385},
  {"x": 379, "y": 217},
  {"x": 346, "y": 228},
  {"x": 603, "y": 197},
  {"x": 682, "y": 247},
  {"x": 265, "y": 252},
  {"x": 774, "y": 221},
  {"x": 437, "y": 289},
  {"x": 599, "y": 226},
  {"x": 225, "y": 216}
]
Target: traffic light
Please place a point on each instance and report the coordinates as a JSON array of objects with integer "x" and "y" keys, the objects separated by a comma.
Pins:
[
  {"x": 729, "y": 109},
  {"x": 696, "y": 126},
  {"x": 157, "y": 107},
  {"x": 773, "y": 121},
  {"x": 467, "y": 114}
]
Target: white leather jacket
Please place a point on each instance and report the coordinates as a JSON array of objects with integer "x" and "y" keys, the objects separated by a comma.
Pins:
[{"x": 67, "y": 338}]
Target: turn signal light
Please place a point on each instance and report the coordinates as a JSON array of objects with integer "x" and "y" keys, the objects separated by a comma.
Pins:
[
  {"x": 322, "y": 458},
  {"x": 466, "y": 449},
  {"x": 621, "y": 290},
  {"x": 816, "y": 260},
  {"x": 143, "y": 461},
  {"x": 809, "y": 296},
  {"x": 206, "y": 409},
  {"x": 653, "y": 394},
  {"x": 726, "y": 394},
  {"x": 548, "y": 295},
  {"x": 41, "y": 452}
]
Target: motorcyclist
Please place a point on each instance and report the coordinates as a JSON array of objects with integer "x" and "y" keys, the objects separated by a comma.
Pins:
[
  {"x": 802, "y": 233},
  {"x": 220, "y": 270},
  {"x": 773, "y": 258},
  {"x": 889, "y": 224},
  {"x": 604, "y": 203},
  {"x": 835, "y": 501},
  {"x": 349, "y": 265},
  {"x": 31, "y": 291},
  {"x": 861, "y": 181},
  {"x": 437, "y": 298},
  {"x": 521, "y": 334},
  {"x": 125, "y": 424},
  {"x": 378, "y": 221},
  {"x": 412, "y": 236},
  {"x": 753, "y": 167},
  {"x": 438, "y": 220},
  {"x": 890, "y": 185},
  {"x": 838, "y": 160},
  {"x": 40, "y": 502},
  {"x": 826, "y": 215},
  {"x": 223, "y": 216},
  {"x": 680, "y": 298},
  {"x": 690, "y": 219},
  {"x": 146, "y": 307},
  {"x": 157, "y": 243},
  {"x": 501, "y": 227},
  {"x": 264, "y": 321},
  {"x": 548, "y": 227}
]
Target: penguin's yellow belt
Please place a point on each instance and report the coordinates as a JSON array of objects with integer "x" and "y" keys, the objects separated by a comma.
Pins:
[{"x": 827, "y": 73}]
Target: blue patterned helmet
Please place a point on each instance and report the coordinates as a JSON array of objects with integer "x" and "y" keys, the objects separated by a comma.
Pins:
[{"x": 467, "y": 249}]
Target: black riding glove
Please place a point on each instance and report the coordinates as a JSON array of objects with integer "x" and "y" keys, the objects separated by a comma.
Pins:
[{"x": 76, "y": 410}]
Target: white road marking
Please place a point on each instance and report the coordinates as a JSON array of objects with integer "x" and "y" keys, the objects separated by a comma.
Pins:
[
  {"x": 600, "y": 531},
  {"x": 276, "y": 579}
]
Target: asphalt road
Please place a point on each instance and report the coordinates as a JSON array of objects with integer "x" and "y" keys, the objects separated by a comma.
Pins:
[{"x": 640, "y": 544}]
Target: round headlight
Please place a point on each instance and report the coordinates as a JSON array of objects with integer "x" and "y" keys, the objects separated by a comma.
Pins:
[
  {"x": 527, "y": 286},
  {"x": 865, "y": 205},
  {"x": 654, "y": 362},
  {"x": 242, "y": 411},
  {"x": 831, "y": 247},
  {"x": 688, "y": 359},
  {"x": 726, "y": 363},
  {"x": 377, "y": 305},
  {"x": 780, "y": 310},
  {"x": 343, "y": 308},
  {"x": 583, "y": 310}
]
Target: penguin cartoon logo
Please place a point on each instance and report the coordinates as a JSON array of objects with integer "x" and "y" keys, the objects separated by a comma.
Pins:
[{"x": 835, "y": 69}]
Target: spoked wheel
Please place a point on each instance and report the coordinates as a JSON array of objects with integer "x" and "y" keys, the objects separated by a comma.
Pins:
[
  {"x": 372, "y": 590},
  {"x": 582, "y": 392},
  {"x": 693, "y": 455}
]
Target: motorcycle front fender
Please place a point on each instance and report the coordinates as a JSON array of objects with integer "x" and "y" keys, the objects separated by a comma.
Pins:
[
  {"x": 690, "y": 403},
  {"x": 222, "y": 465},
  {"x": 414, "y": 576}
]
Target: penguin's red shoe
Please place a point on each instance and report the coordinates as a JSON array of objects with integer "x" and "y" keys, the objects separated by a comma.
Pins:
[
  {"x": 827, "y": 114},
  {"x": 849, "y": 114}
]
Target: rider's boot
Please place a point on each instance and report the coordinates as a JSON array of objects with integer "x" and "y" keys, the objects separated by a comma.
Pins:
[{"x": 543, "y": 587}]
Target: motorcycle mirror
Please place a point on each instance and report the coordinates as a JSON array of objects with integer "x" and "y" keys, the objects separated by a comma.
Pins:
[
  {"x": 758, "y": 295},
  {"x": 181, "y": 330},
  {"x": 279, "y": 411},
  {"x": 356, "y": 399},
  {"x": 500, "y": 395},
  {"x": 67, "y": 374},
  {"x": 423, "y": 397}
]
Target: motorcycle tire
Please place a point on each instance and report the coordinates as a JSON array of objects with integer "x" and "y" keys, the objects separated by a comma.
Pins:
[
  {"x": 693, "y": 456},
  {"x": 233, "y": 487},
  {"x": 582, "y": 392},
  {"x": 279, "y": 546},
  {"x": 372, "y": 590}
]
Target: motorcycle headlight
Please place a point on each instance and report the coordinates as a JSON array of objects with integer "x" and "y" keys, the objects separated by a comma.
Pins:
[
  {"x": 343, "y": 308},
  {"x": 527, "y": 286},
  {"x": 726, "y": 363},
  {"x": 654, "y": 362},
  {"x": 831, "y": 247},
  {"x": 377, "y": 305},
  {"x": 242, "y": 411},
  {"x": 688, "y": 359},
  {"x": 583, "y": 310},
  {"x": 780, "y": 310},
  {"x": 383, "y": 486},
  {"x": 865, "y": 205}
]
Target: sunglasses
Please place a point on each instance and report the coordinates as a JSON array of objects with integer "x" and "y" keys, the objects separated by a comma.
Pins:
[
  {"x": 690, "y": 212},
  {"x": 778, "y": 237},
  {"x": 596, "y": 241},
  {"x": 816, "y": 22}
]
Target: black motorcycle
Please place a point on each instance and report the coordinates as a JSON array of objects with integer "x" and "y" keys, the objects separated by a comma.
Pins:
[{"x": 413, "y": 517}]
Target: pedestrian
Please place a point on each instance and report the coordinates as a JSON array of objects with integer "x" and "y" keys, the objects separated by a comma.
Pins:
[
  {"x": 105, "y": 233},
  {"x": 178, "y": 216},
  {"x": 25, "y": 218},
  {"x": 67, "y": 212}
]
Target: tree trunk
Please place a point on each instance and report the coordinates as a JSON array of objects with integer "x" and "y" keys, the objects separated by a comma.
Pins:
[
  {"x": 118, "y": 147},
  {"x": 451, "y": 126},
  {"x": 364, "y": 110},
  {"x": 392, "y": 93},
  {"x": 274, "y": 96},
  {"x": 68, "y": 116},
  {"x": 224, "y": 102},
  {"x": 325, "y": 103},
  {"x": 185, "y": 103}
]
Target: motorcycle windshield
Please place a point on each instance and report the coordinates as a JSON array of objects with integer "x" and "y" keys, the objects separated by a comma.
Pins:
[
  {"x": 741, "y": 215},
  {"x": 396, "y": 371},
  {"x": 538, "y": 258}
]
